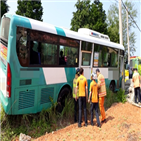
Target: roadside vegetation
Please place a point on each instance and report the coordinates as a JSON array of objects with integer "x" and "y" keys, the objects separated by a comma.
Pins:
[{"x": 36, "y": 125}]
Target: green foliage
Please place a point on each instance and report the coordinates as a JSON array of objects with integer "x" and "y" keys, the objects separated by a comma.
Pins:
[
  {"x": 35, "y": 125},
  {"x": 30, "y": 9},
  {"x": 114, "y": 97},
  {"x": 69, "y": 108},
  {"x": 47, "y": 120},
  {"x": 90, "y": 16},
  {"x": 109, "y": 99},
  {"x": 121, "y": 97},
  {"x": 4, "y": 7},
  {"x": 139, "y": 69},
  {"x": 113, "y": 25}
]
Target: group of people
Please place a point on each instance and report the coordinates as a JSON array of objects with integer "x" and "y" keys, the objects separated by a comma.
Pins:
[{"x": 97, "y": 93}]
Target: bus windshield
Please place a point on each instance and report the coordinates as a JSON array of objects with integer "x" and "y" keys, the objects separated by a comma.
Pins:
[{"x": 5, "y": 29}]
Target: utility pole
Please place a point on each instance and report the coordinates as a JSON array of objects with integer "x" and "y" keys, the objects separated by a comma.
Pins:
[
  {"x": 121, "y": 42},
  {"x": 120, "y": 23},
  {"x": 128, "y": 37}
]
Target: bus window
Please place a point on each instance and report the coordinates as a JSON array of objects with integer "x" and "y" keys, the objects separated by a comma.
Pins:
[
  {"x": 34, "y": 53},
  {"x": 68, "y": 56},
  {"x": 113, "y": 58},
  {"x": 5, "y": 29},
  {"x": 86, "y": 46},
  {"x": 21, "y": 45},
  {"x": 48, "y": 54},
  {"x": 86, "y": 59},
  {"x": 105, "y": 56},
  {"x": 100, "y": 56},
  {"x": 86, "y": 49}
]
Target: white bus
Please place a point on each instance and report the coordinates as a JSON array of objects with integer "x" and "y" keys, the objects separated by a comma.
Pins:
[{"x": 39, "y": 60}]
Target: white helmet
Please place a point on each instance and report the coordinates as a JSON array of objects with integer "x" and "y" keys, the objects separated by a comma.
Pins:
[{"x": 93, "y": 75}]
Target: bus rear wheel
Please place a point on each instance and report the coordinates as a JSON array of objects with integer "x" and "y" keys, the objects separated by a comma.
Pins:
[
  {"x": 112, "y": 86},
  {"x": 65, "y": 92}
]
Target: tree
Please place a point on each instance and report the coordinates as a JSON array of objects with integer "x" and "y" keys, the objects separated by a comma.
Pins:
[
  {"x": 90, "y": 16},
  {"x": 113, "y": 25},
  {"x": 4, "y": 7},
  {"x": 30, "y": 9}
]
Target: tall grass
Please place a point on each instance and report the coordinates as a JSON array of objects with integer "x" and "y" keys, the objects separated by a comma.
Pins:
[
  {"x": 47, "y": 120},
  {"x": 114, "y": 97}
]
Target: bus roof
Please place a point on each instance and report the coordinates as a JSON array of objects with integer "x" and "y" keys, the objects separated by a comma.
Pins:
[{"x": 45, "y": 27}]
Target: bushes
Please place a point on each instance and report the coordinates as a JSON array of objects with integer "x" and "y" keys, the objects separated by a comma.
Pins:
[
  {"x": 35, "y": 125},
  {"x": 114, "y": 97}
]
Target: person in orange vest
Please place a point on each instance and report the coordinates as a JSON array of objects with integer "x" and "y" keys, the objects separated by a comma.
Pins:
[
  {"x": 83, "y": 95},
  {"x": 102, "y": 94},
  {"x": 94, "y": 99},
  {"x": 75, "y": 96},
  {"x": 136, "y": 79}
]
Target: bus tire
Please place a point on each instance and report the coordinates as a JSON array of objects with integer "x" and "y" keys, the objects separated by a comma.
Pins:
[
  {"x": 112, "y": 86},
  {"x": 66, "y": 91}
]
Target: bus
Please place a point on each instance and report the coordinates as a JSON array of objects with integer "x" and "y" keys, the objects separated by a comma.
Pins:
[{"x": 39, "y": 61}]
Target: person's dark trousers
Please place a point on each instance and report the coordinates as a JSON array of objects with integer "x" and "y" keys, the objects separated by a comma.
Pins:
[
  {"x": 82, "y": 101},
  {"x": 137, "y": 94},
  {"x": 75, "y": 110},
  {"x": 94, "y": 106},
  {"x": 130, "y": 76}
]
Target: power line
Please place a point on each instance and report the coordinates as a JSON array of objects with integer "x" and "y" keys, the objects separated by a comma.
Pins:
[{"x": 131, "y": 16}]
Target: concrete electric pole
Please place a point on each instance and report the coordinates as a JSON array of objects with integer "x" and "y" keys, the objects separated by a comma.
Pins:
[
  {"x": 121, "y": 42},
  {"x": 120, "y": 23},
  {"x": 128, "y": 36}
]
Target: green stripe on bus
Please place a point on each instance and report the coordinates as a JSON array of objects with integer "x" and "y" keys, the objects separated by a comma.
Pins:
[{"x": 60, "y": 31}]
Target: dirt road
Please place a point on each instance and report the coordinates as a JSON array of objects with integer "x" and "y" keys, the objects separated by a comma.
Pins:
[{"x": 123, "y": 123}]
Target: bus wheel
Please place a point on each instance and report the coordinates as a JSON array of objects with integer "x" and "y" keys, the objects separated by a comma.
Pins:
[
  {"x": 112, "y": 86},
  {"x": 61, "y": 99}
]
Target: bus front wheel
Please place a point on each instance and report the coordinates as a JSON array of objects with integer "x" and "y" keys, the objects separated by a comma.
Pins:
[{"x": 61, "y": 98}]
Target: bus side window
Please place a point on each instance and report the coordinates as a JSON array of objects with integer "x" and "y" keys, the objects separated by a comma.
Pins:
[
  {"x": 21, "y": 46},
  {"x": 34, "y": 55}
]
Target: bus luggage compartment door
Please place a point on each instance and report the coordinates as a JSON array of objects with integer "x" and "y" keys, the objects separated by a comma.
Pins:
[{"x": 25, "y": 100}]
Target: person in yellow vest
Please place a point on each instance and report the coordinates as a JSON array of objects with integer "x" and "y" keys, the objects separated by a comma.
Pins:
[
  {"x": 75, "y": 96},
  {"x": 94, "y": 99},
  {"x": 136, "y": 79},
  {"x": 102, "y": 94},
  {"x": 83, "y": 95}
]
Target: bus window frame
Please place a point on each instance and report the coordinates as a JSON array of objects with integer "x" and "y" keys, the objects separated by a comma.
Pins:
[
  {"x": 58, "y": 45},
  {"x": 5, "y": 40},
  {"x": 86, "y": 51},
  {"x": 107, "y": 66}
]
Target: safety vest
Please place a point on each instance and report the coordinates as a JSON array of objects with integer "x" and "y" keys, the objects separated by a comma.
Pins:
[
  {"x": 94, "y": 91},
  {"x": 74, "y": 88},
  {"x": 101, "y": 86},
  {"x": 136, "y": 80}
]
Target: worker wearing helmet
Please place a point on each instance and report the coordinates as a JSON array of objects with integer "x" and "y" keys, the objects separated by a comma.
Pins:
[
  {"x": 75, "y": 96},
  {"x": 102, "y": 94},
  {"x": 94, "y": 99},
  {"x": 83, "y": 95}
]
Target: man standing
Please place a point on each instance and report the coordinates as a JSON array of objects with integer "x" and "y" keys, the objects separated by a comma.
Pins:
[
  {"x": 94, "y": 104},
  {"x": 83, "y": 95},
  {"x": 75, "y": 96},
  {"x": 136, "y": 79},
  {"x": 102, "y": 94}
]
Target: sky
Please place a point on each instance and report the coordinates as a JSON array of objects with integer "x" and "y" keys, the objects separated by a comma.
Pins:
[{"x": 60, "y": 13}]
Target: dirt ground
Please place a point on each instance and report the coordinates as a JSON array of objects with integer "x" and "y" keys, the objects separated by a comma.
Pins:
[{"x": 123, "y": 123}]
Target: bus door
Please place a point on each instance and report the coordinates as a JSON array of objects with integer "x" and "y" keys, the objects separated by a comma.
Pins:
[{"x": 85, "y": 59}]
